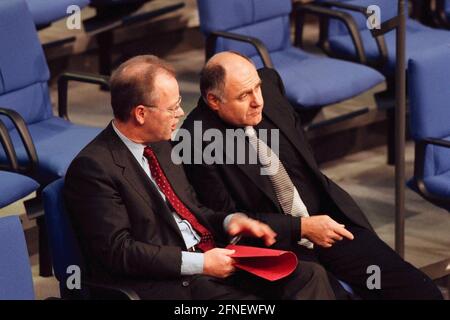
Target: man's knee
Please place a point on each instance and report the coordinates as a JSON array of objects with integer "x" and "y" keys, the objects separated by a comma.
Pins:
[
  {"x": 313, "y": 282},
  {"x": 314, "y": 271}
]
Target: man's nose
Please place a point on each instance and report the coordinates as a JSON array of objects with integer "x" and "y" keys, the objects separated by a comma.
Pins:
[
  {"x": 180, "y": 112},
  {"x": 257, "y": 100}
]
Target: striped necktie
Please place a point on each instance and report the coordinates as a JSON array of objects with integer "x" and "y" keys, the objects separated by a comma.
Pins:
[{"x": 285, "y": 191}]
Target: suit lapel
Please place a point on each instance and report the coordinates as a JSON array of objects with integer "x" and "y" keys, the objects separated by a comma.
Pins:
[
  {"x": 177, "y": 178},
  {"x": 252, "y": 171},
  {"x": 287, "y": 126},
  {"x": 138, "y": 179}
]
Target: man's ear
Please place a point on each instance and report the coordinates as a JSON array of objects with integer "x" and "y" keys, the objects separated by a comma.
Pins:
[
  {"x": 213, "y": 101},
  {"x": 138, "y": 113}
]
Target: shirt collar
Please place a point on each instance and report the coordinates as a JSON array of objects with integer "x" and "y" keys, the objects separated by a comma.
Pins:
[{"x": 137, "y": 149}]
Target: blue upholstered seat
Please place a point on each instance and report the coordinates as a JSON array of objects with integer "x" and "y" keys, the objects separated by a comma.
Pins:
[
  {"x": 45, "y": 12},
  {"x": 429, "y": 94},
  {"x": 66, "y": 251},
  {"x": 310, "y": 80},
  {"x": 14, "y": 187},
  {"x": 23, "y": 88},
  {"x": 57, "y": 142},
  {"x": 63, "y": 242},
  {"x": 418, "y": 36},
  {"x": 16, "y": 282},
  {"x": 439, "y": 184}
]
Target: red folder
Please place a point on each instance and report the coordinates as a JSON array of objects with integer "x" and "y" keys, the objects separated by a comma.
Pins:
[{"x": 265, "y": 263}]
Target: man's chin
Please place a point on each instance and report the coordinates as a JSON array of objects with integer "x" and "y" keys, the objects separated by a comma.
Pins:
[
  {"x": 255, "y": 120},
  {"x": 172, "y": 135}
]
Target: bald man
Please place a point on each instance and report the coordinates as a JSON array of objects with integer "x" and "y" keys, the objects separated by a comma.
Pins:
[{"x": 322, "y": 221}]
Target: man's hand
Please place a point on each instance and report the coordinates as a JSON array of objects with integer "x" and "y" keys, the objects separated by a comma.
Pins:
[
  {"x": 241, "y": 224},
  {"x": 218, "y": 263},
  {"x": 323, "y": 231}
]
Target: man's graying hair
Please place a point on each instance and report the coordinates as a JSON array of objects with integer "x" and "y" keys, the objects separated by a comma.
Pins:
[
  {"x": 132, "y": 84},
  {"x": 212, "y": 78}
]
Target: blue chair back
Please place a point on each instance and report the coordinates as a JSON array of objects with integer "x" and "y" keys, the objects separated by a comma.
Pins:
[
  {"x": 63, "y": 242},
  {"x": 388, "y": 10},
  {"x": 23, "y": 68},
  {"x": 429, "y": 95},
  {"x": 16, "y": 282},
  {"x": 266, "y": 20}
]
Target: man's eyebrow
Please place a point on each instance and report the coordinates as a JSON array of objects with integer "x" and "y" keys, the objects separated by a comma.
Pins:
[
  {"x": 250, "y": 90},
  {"x": 243, "y": 92}
]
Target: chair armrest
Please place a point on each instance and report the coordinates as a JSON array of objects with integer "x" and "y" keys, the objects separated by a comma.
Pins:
[
  {"x": 325, "y": 14},
  {"x": 259, "y": 46},
  {"x": 419, "y": 168},
  {"x": 437, "y": 142},
  {"x": 63, "y": 88},
  {"x": 386, "y": 26},
  {"x": 378, "y": 36},
  {"x": 109, "y": 292},
  {"x": 8, "y": 146},
  {"x": 25, "y": 136}
]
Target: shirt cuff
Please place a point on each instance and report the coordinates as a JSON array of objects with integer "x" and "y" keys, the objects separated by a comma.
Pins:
[{"x": 191, "y": 263}]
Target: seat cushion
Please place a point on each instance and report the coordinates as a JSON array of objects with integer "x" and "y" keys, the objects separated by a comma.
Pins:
[
  {"x": 57, "y": 142},
  {"x": 45, "y": 12},
  {"x": 14, "y": 187},
  {"x": 437, "y": 160},
  {"x": 418, "y": 37},
  {"x": 439, "y": 184},
  {"x": 314, "y": 81}
]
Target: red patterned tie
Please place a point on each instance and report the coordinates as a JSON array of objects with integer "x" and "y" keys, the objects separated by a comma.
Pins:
[{"x": 207, "y": 240}]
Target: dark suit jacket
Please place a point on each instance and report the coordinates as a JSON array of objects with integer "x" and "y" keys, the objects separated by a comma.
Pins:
[
  {"x": 126, "y": 231},
  {"x": 241, "y": 186},
  {"x": 124, "y": 226}
]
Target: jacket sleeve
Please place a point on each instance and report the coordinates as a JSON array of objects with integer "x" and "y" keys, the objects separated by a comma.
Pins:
[
  {"x": 102, "y": 224},
  {"x": 214, "y": 194}
]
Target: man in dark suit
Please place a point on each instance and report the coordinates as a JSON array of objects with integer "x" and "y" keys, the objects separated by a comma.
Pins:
[
  {"x": 137, "y": 218},
  {"x": 334, "y": 231}
]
